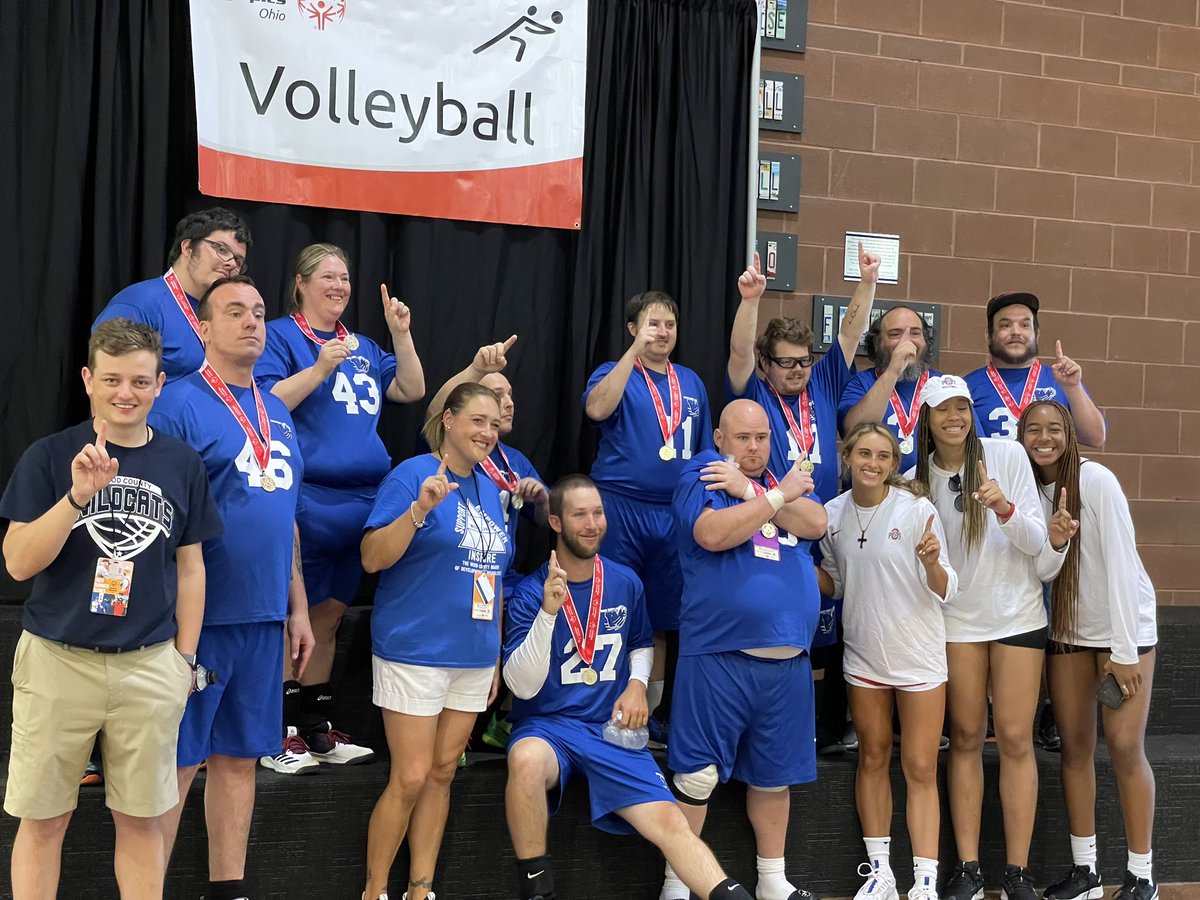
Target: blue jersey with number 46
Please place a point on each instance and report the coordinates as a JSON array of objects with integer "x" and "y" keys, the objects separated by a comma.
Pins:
[{"x": 339, "y": 421}]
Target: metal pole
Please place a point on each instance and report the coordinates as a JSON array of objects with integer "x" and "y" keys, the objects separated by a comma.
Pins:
[{"x": 752, "y": 137}]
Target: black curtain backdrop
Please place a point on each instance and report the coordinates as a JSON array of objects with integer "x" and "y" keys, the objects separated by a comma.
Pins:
[{"x": 98, "y": 161}]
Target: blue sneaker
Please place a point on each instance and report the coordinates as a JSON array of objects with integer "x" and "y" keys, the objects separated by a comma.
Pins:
[{"x": 659, "y": 732}]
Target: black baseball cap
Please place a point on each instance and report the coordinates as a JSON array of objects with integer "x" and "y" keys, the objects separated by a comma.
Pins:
[{"x": 1011, "y": 298}]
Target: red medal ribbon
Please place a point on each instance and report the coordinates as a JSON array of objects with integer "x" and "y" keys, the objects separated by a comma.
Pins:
[
  {"x": 261, "y": 446},
  {"x": 907, "y": 422},
  {"x": 586, "y": 644},
  {"x": 802, "y": 432},
  {"x": 772, "y": 483},
  {"x": 505, "y": 483},
  {"x": 181, "y": 301},
  {"x": 667, "y": 426},
  {"x": 302, "y": 324},
  {"x": 1031, "y": 381}
]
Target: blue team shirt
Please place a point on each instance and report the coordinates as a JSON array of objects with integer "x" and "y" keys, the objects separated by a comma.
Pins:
[
  {"x": 521, "y": 468},
  {"x": 992, "y": 417},
  {"x": 422, "y": 612},
  {"x": 624, "y": 626},
  {"x": 248, "y": 568},
  {"x": 732, "y": 600},
  {"x": 857, "y": 389},
  {"x": 627, "y": 460},
  {"x": 829, "y": 378},
  {"x": 339, "y": 421},
  {"x": 151, "y": 302}
]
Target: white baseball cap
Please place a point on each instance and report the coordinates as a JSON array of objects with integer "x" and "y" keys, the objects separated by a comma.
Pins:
[{"x": 941, "y": 388}]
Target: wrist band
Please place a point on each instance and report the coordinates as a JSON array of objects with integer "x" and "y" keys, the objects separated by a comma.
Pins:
[
  {"x": 748, "y": 493},
  {"x": 71, "y": 500},
  {"x": 412, "y": 514},
  {"x": 1012, "y": 508},
  {"x": 775, "y": 498}
]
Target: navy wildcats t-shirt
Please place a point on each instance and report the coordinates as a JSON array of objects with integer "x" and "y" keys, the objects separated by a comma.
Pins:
[{"x": 158, "y": 501}]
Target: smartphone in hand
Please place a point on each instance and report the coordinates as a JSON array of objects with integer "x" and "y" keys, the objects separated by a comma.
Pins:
[{"x": 1109, "y": 692}]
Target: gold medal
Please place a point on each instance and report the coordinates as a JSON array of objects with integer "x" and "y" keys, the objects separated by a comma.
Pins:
[
  {"x": 589, "y": 676},
  {"x": 768, "y": 530},
  {"x": 352, "y": 341},
  {"x": 806, "y": 465},
  {"x": 517, "y": 502},
  {"x": 667, "y": 453},
  {"x": 267, "y": 483}
]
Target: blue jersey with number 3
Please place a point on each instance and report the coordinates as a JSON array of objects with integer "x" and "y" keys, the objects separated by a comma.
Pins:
[
  {"x": 339, "y": 421},
  {"x": 631, "y": 438},
  {"x": 247, "y": 569},
  {"x": 992, "y": 417},
  {"x": 623, "y": 626}
]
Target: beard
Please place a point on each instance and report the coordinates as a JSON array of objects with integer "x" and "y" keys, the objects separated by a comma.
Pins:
[
  {"x": 1013, "y": 357},
  {"x": 912, "y": 371},
  {"x": 577, "y": 547}
]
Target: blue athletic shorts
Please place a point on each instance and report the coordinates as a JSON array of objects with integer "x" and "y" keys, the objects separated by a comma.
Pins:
[
  {"x": 616, "y": 777},
  {"x": 752, "y": 718},
  {"x": 642, "y": 536},
  {"x": 242, "y": 714},
  {"x": 331, "y": 524}
]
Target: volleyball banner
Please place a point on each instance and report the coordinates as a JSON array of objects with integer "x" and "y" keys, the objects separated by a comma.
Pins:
[{"x": 462, "y": 109}]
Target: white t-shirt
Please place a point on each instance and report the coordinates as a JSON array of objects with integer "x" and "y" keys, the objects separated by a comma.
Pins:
[
  {"x": 1117, "y": 605},
  {"x": 892, "y": 622},
  {"x": 999, "y": 592}
]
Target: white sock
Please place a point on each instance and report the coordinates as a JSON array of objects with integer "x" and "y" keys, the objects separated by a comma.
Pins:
[
  {"x": 772, "y": 883},
  {"x": 879, "y": 853},
  {"x": 1139, "y": 865},
  {"x": 673, "y": 888},
  {"x": 1083, "y": 851},
  {"x": 925, "y": 872},
  {"x": 654, "y": 694}
]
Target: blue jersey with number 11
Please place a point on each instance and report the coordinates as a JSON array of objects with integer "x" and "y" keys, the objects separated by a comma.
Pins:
[
  {"x": 631, "y": 438},
  {"x": 339, "y": 421}
]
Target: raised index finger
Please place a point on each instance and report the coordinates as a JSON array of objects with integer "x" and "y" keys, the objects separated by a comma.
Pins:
[
  {"x": 101, "y": 434},
  {"x": 983, "y": 475},
  {"x": 1062, "y": 500},
  {"x": 1058, "y": 349},
  {"x": 442, "y": 468},
  {"x": 929, "y": 525},
  {"x": 553, "y": 562},
  {"x": 383, "y": 292},
  {"x": 508, "y": 344}
]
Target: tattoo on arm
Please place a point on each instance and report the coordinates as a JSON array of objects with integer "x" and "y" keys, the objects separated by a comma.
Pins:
[
  {"x": 851, "y": 315},
  {"x": 296, "y": 569}
]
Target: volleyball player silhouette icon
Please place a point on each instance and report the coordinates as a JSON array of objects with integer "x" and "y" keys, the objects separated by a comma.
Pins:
[{"x": 529, "y": 25}]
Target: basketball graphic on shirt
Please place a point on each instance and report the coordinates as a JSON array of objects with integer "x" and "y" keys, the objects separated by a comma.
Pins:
[{"x": 126, "y": 517}]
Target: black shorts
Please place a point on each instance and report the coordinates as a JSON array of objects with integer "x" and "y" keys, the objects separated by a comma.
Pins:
[
  {"x": 1057, "y": 648},
  {"x": 1032, "y": 640}
]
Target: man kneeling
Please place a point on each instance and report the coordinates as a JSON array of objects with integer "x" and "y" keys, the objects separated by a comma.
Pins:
[{"x": 577, "y": 654}]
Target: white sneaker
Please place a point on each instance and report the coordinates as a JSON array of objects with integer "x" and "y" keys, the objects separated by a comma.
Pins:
[
  {"x": 330, "y": 746},
  {"x": 380, "y": 897},
  {"x": 404, "y": 896},
  {"x": 294, "y": 759},
  {"x": 923, "y": 892},
  {"x": 880, "y": 885}
]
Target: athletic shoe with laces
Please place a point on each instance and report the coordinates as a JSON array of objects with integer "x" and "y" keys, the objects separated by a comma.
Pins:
[
  {"x": 1081, "y": 883},
  {"x": 92, "y": 774},
  {"x": 293, "y": 759},
  {"x": 880, "y": 884},
  {"x": 330, "y": 746},
  {"x": 1134, "y": 888},
  {"x": 923, "y": 892},
  {"x": 498, "y": 732},
  {"x": 660, "y": 733},
  {"x": 965, "y": 883},
  {"x": 1017, "y": 885},
  {"x": 404, "y": 896}
]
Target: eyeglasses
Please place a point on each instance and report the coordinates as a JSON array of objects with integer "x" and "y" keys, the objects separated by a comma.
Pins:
[
  {"x": 956, "y": 489},
  {"x": 790, "y": 362},
  {"x": 225, "y": 254}
]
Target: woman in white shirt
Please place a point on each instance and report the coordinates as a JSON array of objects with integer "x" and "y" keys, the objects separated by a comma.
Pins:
[
  {"x": 882, "y": 554},
  {"x": 1102, "y": 623},
  {"x": 984, "y": 492}
]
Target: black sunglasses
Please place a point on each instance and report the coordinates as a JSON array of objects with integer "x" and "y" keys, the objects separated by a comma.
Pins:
[{"x": 956, "y": 489}]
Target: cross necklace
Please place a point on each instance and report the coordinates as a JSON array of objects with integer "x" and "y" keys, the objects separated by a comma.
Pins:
[{"x": 862, "y": 530}]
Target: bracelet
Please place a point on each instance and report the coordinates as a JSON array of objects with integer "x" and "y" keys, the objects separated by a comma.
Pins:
[
  {"x": 71, "y": 500},
  {"x": 412, "y": 515},
  {"x": 1012, "y": 508},
  {"x": 775, "y": 498}
]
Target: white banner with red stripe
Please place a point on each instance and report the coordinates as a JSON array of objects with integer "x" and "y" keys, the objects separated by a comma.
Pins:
[{"x": 463, "y": 109}]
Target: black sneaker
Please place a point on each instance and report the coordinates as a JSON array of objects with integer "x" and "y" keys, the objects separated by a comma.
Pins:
[
  {"x": 1081, "y": 883},
  {"x": 1135, "y": 888},
  {"x": 1017, "y": 885},
  {"x": 965, "y": 883},
  {"x": 1047, "y": 731}
]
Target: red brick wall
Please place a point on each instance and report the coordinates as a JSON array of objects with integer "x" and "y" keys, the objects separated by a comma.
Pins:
[{"x": 1052, "y": 147}]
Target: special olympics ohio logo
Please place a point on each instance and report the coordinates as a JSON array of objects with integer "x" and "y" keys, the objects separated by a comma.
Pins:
[{"x": 322, "y": 12}]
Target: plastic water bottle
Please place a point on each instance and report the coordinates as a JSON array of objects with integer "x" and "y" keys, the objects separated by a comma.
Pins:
[{"x": 629, "y": 738}]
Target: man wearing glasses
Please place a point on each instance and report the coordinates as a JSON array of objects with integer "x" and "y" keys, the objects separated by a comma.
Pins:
[
  {"x": 208, "y": 245},
  {"x": 780, "y": 374}
]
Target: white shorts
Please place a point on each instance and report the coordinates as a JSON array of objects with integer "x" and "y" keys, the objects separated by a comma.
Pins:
[
  {"x": 857, "y": 681},
  {"x": 427, "y": 690}
]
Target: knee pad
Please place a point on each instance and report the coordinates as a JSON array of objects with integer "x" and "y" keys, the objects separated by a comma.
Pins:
[
  {"x": 768, "y": 790},
  {"x": 696, "y": 787}
]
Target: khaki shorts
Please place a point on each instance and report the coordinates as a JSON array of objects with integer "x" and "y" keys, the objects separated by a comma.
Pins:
[
  {"x": 63, "y": 697},
  {"x": 427, "y": 690}
]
